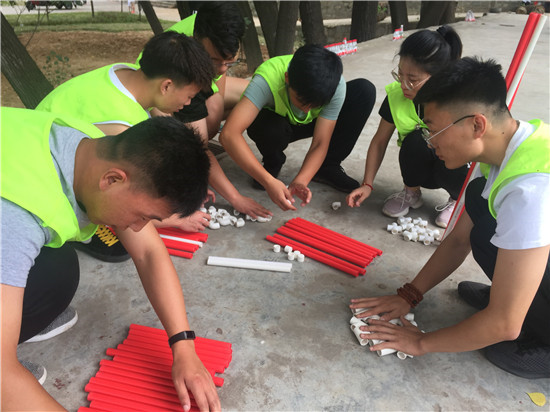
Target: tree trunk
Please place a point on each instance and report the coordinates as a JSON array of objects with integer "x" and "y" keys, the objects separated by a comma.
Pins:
[
  {"x": 312, "y": 22},
  {"x": 363, "y": 20},
  {"x": 435, "y": 13},
  {"x": 20, "y": 69},
  {"x": 286, "y": 27},
  {"x": 399, "y": 15},
  {"x": 151, "y": 16},
  {"x": 251, "y": 44},
  {"x": 92, "y": 6},
  {"x": 268, "y": 13}
]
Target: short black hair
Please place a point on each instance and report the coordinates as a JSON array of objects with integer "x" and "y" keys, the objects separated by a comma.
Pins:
[
  {"x": 467, "y": 81},
  {"x": 177, "y": 57},
  {"x": 432, "y": 50},
  {"x": 222, "y": 23},
  {"x": 314, "y": 73},
  {"x": 168, "y": 160}
]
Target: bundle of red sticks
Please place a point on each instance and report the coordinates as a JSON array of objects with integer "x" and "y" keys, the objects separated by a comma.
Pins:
[
  {"x": 139, "y": 377},
  {"x": 180, "y": 243},
  {"x": 326, "y": 246}
]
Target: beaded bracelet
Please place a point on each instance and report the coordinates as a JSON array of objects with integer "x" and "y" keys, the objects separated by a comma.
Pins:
[
  {"x": 410, "y": 294},
  {"x": 369, "y": 185}
]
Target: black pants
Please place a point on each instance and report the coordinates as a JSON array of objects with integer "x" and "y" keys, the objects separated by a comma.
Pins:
[
  {"x": 421, "y": 167},
  {"x": 51, "y": 286},
  {"x": 537, "y": 321},
  {"x": 272, "y": 133}
]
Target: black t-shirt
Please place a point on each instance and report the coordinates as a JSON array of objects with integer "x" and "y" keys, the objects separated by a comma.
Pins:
[{"x": 385, "y": 112}]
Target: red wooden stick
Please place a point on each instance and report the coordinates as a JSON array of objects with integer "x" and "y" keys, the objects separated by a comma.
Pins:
[
  {"x": 174, "y": 244},
  {"x": 323, "y": 246},
  {"x": 526, "y": 35},
  {"x": 179, "y": 253},
  {"x": 339, "y": 235},
  {"x": 319, "y": 256},
  {"x": 123, "y": 398},
  {"x": 172, "y": 231}
]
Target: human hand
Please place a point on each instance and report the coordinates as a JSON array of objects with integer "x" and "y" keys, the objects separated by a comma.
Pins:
[
  {"x": 300, "y": 190},
  {"x": 250, "y": 207},
  {"x": 388, "y": 307},
  {"x": 189, "y": 374},
  {"x": 358, "y": 196},
  {"x": 196, "y": 222},
  {"x": 406, "y": 338},
  {"x": 280, "y": 195},
  {"x": 210, "y": 197}
]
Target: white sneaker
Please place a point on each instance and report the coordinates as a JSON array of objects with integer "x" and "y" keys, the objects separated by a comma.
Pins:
[
  {"x": 445, "y": 211},
  {"x": 38, "y": 371},
  {"x": 399, "y": 203},
  {"x": 63, "y": 322}
]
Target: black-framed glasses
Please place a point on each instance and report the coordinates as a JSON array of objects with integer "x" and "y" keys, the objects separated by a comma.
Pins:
[
  {"x": 226, "y": 64},
  {"x": 427, "y": 135},
  {"x": 408, "y": 84}
]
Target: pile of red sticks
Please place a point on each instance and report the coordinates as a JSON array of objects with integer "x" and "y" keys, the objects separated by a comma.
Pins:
[
  {"x": 140, "y": 375},
  {"x": 180, "y": 243},
  {"x": 326, "y": 246}
]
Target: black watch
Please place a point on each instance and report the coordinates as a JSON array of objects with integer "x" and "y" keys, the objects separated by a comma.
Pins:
[{"x": 185, "y": 335}]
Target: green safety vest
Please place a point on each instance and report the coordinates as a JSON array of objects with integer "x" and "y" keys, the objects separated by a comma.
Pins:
[
  {"x": 187, "y": 27},
  {"x": 531, "y": 156},
  {"x": 273, "y": 71},
  {"x": 28, "y": 175},
  {"x": 94, "y": 98},
  {"x": 403, "y": 112}
]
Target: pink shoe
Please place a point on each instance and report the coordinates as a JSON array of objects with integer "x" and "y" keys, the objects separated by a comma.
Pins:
[
  {"x": 445, "y": 211},
  {"x": 398, "y": 204}
]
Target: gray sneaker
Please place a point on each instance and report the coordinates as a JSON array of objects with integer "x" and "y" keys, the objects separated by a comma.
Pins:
[
  {"x": 63, "y": 322},
  {"x": 38, "y": 371},
  {"x": 398, "y": 204}
]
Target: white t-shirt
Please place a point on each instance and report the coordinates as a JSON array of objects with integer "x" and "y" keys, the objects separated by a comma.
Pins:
[{"x": 523, "y": 205}]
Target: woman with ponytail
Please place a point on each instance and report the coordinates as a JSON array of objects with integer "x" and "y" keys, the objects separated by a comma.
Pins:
[{"x": 421, "y": 55}]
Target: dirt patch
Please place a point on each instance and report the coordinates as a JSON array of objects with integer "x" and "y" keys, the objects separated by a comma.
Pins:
[{"x": 85, "y": 50}]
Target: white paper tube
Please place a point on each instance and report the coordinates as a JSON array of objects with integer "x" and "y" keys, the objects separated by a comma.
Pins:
[
  {"x": 288, "y": 249},
  {"x": 179, "y": 239},
  {"x": 249, "y": 264},
  {"x": 357, "y": 332},
  {"x": 214, "y": 225},
  {"x": 336, "y": 205},
  {"x": 382, "y": 352},
  {"x": 240, "y": 222},
  {"x": 276, "y": 248}
]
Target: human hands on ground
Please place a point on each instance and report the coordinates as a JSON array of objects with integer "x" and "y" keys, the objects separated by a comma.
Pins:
[
  {"x": 300, "y": 190},
  {"x": 280, "y": 195},
  {"x": 189, "y": 374},
  {"x": 196, "y": 222},
  {"x": 388, "y": 307},
  {"x": 250, "y": 207},
  {"x": 358, "y": 196},
  {"x": 406, "y": 338}
]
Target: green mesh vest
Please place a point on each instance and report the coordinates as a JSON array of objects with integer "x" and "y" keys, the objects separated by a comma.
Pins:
[
  {"x": 403, "y": 112},
  {"x": 109, "y": 103},
  {"x": 28, "y": 175},
  {"x": 532, "y": 156},
  {"x": 273, "y": 71}
]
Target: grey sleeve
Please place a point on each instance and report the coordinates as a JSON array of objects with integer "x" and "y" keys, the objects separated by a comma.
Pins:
[
  {"x": 259, "y": 93},
  {"x": 21, "y": 241},
  {"x": 331, "y": 111}
]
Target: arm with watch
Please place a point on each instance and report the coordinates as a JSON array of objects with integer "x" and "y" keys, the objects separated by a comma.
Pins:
[{"x": 162, "y": 286}]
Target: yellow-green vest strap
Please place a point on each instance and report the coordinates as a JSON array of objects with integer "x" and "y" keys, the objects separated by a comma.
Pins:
[
  {"x": 403, "y": 112},
  {"x": 273, "y": 71},
  {"x": 531, "y": 156},
  {"x": 94, "y": 98},
  {"x": 28, "y": 175}
]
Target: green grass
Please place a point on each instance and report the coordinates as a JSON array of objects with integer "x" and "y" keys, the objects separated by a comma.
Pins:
[{"x": 103, "y": 21}]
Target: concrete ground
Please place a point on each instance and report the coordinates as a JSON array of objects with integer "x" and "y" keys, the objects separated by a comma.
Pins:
[{"x": 292, "y": 346}]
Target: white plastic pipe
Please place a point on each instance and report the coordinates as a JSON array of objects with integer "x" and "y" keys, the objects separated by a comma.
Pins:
[
  {"x": 357, "y": 332},
  {"x": 249, "y": 264},
  {"x": 179, "y": 239}
]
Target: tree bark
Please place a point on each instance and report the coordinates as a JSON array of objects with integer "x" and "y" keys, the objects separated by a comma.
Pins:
[
  {"x": 435, "y": 13},
  {"x": 312, "y": 22},
  {"x": 251, "y": 44},
  {"x": 363, "y": 20},
  {"x": 151, "y": 16},
  {"x": 399, "y": 15},
  {"x": 268, "y": 13},
  {"x": 286, "y": 27},
  {"x": 20, "y": 69}
]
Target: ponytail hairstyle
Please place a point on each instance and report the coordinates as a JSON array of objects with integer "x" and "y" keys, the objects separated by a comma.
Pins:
[{"x": 432, "y": 50}]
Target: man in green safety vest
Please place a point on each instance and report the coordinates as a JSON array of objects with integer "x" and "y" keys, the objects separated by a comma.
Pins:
[
  {"x": 505, "y": 225},
  {"x": 296, "y": 97},
  {"x": 58, "y": 182}
]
